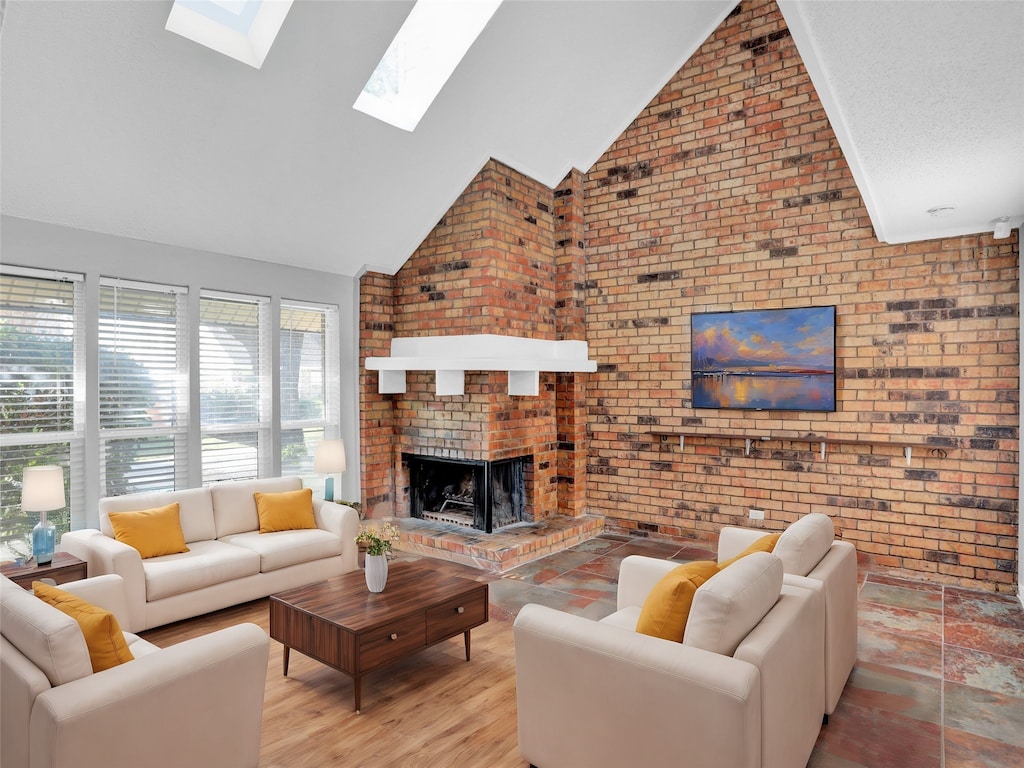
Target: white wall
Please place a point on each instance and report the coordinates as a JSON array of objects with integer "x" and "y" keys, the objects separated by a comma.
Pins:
[{"x": 47, "y": 246}]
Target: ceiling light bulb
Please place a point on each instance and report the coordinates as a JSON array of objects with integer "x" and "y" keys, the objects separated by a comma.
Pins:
[{"x": 1002, "y": 228}]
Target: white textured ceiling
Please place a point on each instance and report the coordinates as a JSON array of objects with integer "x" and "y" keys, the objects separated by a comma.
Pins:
[
  {"x": 110, "y": 123},
  {"x": 927, "y": 101}
]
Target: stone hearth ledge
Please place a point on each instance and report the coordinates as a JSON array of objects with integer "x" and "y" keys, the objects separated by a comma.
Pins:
[{"x": 502, "y": 550}]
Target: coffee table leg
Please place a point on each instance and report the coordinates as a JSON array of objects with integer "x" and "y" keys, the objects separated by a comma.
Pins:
[
  {"x": 287, "y": 652},
  {"x": 466, "y": 635},
  {"x": 358, "y": 687}
]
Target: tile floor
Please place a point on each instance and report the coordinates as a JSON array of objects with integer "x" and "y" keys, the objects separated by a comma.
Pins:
[{"x": 939, "y": 680}]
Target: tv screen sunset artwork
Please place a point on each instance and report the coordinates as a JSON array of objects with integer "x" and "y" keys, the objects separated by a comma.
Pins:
[{"x": 765, "y": 359}]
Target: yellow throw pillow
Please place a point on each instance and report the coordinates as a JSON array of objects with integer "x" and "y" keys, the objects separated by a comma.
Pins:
[
  {"x": 107, "y": 646},
  {"x": 667, "y": 607},
  {"x": 764, "y": 544},
  {"x": 153, "y": 532},
  {"x": 286, "y": 511}
]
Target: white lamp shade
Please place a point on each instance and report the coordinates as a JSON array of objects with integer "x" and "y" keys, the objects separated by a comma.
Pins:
[
  {"x": 329, "y": 456},
  {"x": 42, "y": 489}
]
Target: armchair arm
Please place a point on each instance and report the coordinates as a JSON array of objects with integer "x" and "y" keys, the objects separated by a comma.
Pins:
[
  {"x": 837, "y": 575},
  {"x": 787, "y": 646},
  {"x": 582, "y": 685},
  {"x": 637, "y": 576},
  {"x": 107, "y": 592},
  {"x": 733, "y": 540},
  {"x": 198, "y": 703},
  {"x": 342, "y": 521}
]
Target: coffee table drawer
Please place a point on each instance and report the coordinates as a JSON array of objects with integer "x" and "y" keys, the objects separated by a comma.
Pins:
[
  {"x": 455, "y": 616},
  {"x": 391, "y": 641}
]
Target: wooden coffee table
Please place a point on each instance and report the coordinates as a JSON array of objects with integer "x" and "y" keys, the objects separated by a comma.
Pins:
[{"x": 341, "y": 623}]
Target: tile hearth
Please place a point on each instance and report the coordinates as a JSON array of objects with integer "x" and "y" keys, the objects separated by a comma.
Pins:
[{"x": 502, "y": 550}]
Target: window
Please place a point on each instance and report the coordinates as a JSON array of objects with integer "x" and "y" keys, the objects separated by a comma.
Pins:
[
  {"x": 309, "y": 384},
  {"x": 41, "y": 394},
  {"x": 143, "y": 392},
  {"x": 234, "y": 386},
  {"x": 424, "y": 54},
  {"x": 159, "y": 354}
]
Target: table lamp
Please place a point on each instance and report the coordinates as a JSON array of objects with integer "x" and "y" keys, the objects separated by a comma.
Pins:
[
  {"x": 42, "y": 491},
  {"x": 329, "y": 457}
]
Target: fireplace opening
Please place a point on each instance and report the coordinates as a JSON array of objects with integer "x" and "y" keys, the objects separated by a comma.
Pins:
[{"x": 485, "y": 495}]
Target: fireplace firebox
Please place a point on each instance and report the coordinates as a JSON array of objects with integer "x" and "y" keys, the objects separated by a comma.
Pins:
[{"x": 486, "y": 495}]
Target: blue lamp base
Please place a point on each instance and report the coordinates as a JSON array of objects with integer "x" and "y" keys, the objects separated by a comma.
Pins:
[
  {"x": 44, "y": 537},
  {"x": 329, "y": 489}
]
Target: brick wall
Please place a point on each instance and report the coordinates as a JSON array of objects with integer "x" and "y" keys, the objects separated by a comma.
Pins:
[
  {"x": 488, "y": 267},
  {"x": 730, "y": 192}
]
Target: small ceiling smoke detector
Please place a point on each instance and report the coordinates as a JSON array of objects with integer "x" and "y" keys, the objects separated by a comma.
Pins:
[
  {"x": 941, "y": 211},
  {"x": 1002, "y": 228}
]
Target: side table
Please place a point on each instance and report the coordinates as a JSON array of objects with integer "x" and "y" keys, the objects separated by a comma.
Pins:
[{"x": 61, "y": 569}]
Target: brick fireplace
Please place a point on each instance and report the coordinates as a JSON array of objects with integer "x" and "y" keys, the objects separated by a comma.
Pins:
[{"x": 505, "y": 259}]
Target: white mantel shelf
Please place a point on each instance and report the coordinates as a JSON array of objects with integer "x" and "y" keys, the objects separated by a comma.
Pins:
[{"x": 451, "y": 356}]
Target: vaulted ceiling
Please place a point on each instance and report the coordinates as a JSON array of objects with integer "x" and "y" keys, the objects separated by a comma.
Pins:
[{"x": 110, "y": 123}]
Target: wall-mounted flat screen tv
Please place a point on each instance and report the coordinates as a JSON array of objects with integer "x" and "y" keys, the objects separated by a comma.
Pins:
[{"x": 765, "y": 359}]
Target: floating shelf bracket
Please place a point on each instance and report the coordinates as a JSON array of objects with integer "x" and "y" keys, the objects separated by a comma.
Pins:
[{"x": 822, "y": 441}]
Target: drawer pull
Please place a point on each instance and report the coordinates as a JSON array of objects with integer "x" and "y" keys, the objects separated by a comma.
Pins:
[
  {"x": 460, "y": 609},
  {"x": 394, "y": 635}
]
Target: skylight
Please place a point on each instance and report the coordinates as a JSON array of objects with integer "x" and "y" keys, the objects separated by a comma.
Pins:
[
  {"x": 241, "y": 29},
  {"x": 421, "y": 58}
]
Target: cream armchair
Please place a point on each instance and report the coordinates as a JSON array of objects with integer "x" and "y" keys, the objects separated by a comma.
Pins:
[
  {"x": 812, "y": 558},
  {"x": 597, "y": 693},
  {"x": 198, "y": 703}
]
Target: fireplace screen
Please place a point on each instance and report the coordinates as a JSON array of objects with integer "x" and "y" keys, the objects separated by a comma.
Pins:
[{"x": 485, "y": 495}]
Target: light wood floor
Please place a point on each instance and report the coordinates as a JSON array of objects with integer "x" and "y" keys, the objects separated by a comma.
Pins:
[{"x": 434, "y": 709}]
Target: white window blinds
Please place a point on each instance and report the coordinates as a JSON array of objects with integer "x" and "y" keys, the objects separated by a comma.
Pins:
[
  {"x": 41, "y": 394},
  {"x": 143, "y": 396},
  {"x": 234, "y": 386},
  {"x": 309, "y": 384}
]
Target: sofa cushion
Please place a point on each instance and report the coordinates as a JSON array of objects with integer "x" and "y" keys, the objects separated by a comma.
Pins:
[
  {"x": 153, "y": 532},
  {"x": 138, "y": 646},
  {"x": 195, "y": 510},
  {"x": 51, "y": 640},
  {"x": 728, "y": 605},
  {"x": 284, "y": 548},
  {"x": 764, "y": 544},
  {"x": 286, "y": 511},
  {"x": 205, "y": 564},
  {"x": 626, "y": 618},
  {"x": 665, "y": 610},
  {"x": 106, "y": 643},
  {"x": 802, "y": 545},
  {"x": 234, "y": 503}
]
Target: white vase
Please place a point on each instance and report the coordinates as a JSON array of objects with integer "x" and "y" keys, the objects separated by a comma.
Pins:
[{"x": 376, "y": 570}]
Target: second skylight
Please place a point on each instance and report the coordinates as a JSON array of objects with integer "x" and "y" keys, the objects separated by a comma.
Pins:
[{"x": 421, "y": 58}]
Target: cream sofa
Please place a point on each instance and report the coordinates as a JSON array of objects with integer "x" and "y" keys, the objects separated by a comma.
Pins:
[
  {"x": 812, "y": 558},
  {"x": 743, "y": 689},
  {"x": 229, "y": 561},
  {"x": 198, "y": 703}
]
